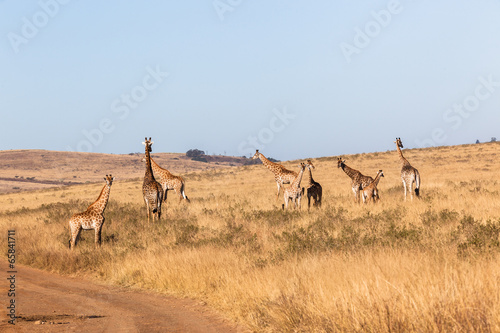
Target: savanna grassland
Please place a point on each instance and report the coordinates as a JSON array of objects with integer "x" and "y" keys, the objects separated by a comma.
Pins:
[{"x": 431, "y": 265}]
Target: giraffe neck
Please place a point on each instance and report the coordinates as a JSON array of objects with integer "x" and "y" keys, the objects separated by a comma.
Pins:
[
  {"x": 270, "y": 165},
  {"x": 402, "y": 159},
  {"x": 377, "y": 179},
  {"x": 350, "y": 172},
  {"x": 296, "y": 182},
  {"x": 149, "y": 171},
  {"x": 309, "y": 181},
  {"x": 158, "y": 169},
  {"x": 100, "y": 204}
]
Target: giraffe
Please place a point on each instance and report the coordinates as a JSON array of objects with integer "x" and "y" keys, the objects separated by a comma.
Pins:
[
  {"x": 359, "y": 181},
  {"x": 313, "y": 188},
  {"x": 92, "y": 218},
  {"x": 371, "y": 191},
  {"x": 409, "y": 174},
  {"x": 294, "y": 192},
  {"x": 151, "y": 189},
  {"x": 168, "y": 181},
  {"x": 281, "y": 174}
]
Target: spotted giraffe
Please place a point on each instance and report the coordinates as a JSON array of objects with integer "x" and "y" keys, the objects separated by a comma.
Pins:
[
  {"x": 281, "y": 174},
  {"x": 313, "y": 188},
  {"x": 371, "y": 191},
  {"x": 151, "y": 189},
  {"x": 92, "y": 218},
  {"x": 294, "y": 192},
  {"x": 409, "y": 174},
  {"x": 359, "y": 181},
  {"x": 169, "y": 181}
]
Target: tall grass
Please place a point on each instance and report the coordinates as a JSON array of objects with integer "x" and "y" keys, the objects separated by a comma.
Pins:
[{"x": 426, "y": 265}]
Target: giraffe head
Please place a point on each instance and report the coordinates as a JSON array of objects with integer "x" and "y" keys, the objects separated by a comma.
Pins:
[
  {"x": 302, "y": 166},
  {"x": 340, "y": 162},
  {"x": 398, "y": 142},
  {"x": 256, "y": 155},
  {"x": 148, "y": 143},
  {"x": 310, "y": 165},
  {"x": 381, "y": 173},
  {"x": 109, "y": 180}
]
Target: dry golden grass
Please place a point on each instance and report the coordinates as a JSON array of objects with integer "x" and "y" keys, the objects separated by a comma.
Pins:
[
  {"x": 430, "y": 265},
  {"x": 35, "y": 169}
]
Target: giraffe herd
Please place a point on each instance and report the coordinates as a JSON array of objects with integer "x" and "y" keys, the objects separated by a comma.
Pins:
[{"x": 155, "y": 192}]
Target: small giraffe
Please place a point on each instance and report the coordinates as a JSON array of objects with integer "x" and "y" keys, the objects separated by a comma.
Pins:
[
  {"x": 313, "y": 188},
  {"x": 281, "y": 174},
  {"x": 294, "y": 192},
  {"x": 359, "y": 181},
  {"x": 92, "y": 218},
  {"x": 409, "y": 174},
  {"x": 169, "y": 181},
  {"x": 151, "y": 189},
  {"x": 371, "y": 191}
]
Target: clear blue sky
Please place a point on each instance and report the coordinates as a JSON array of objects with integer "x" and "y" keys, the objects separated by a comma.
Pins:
[{"x": 296, "y": 79}]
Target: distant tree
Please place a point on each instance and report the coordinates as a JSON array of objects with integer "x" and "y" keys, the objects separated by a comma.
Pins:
[
  {"x": 200, "y": 159},
  {"x": 493, "y": 139},
  {"x": 195, "y": 153},
  {"x": 477, "y": 141}
]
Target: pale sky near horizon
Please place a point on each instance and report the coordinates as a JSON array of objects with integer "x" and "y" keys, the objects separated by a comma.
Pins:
[{"x": 294, "y": 79}]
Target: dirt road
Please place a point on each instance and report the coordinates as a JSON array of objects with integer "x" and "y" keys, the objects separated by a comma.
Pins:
[{"x": 48, "y": 302}]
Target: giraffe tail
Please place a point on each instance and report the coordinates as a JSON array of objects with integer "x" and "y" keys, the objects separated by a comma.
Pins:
[
  {"x": 184, "y": 194},
  {"x": 417, "y": 183}
]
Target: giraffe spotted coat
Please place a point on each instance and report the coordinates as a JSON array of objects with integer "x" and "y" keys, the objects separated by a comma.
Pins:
[
  {"x": 294, "y": 192},
  {"x": 151, "y": 189},
  {"x": 313, "y": 188},
  {"x": 281, "y": 174},
  {"x": 359, "y": 181},
  {"x": 92, "y": 218},
  {"x": 409, "y": 174}
]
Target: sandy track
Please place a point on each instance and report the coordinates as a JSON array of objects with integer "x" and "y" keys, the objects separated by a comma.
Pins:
[{"x": 51, "y": 303}]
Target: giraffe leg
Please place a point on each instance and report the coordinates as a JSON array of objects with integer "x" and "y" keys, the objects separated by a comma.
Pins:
[
  {"x": 74, "y": 237},
  {"x": 147, "y": 209},
  {"x": 97, "y": 242},
  {"x": 279, "y": 188},
  {"x": 411, "y": 189},
  {"x": 356, "y": 194},
  {"x": 404, "y": 185},
  {"x": 298, "y": 201},
  {"x": 308, "y": 199}
]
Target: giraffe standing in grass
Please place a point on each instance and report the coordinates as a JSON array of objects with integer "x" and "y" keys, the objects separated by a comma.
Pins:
[
  {"x": 169, "y": 181},
  {"x": 281, "y": 174},
  {"x": 371, "y": 191},
  {"x": 294, "y": 192},
  {"x": 313, "y": 188},
  {"x": 409, "y": 174},
  {"x": 359, "y": 181},
  {"x": 151, "y": 189},
  {"x": 92, "y": 218}
]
